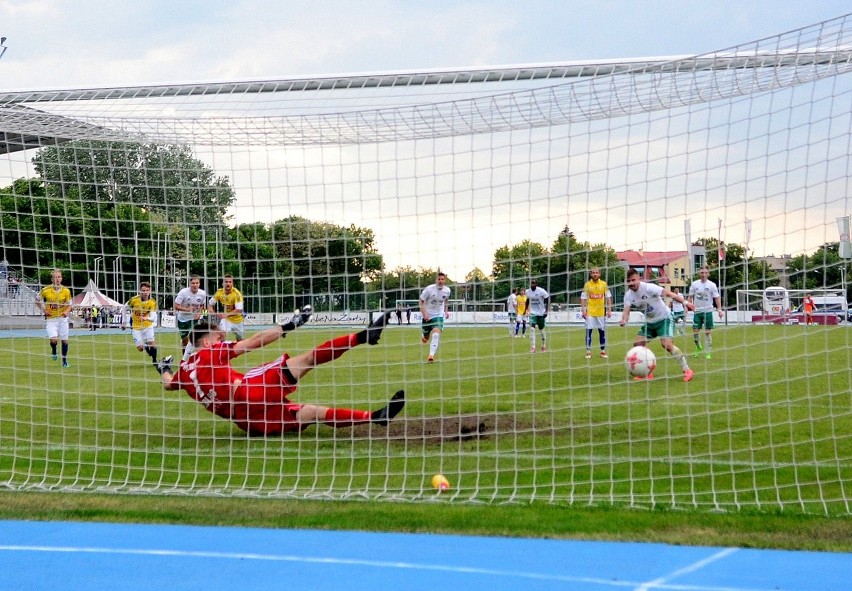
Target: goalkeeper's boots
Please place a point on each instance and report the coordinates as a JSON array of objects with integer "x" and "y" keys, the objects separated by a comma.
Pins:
[
  {"x": 373, "y": 332},
  {"x": 164, "y": 365},
  {"x": 384, "y": 415},
  {"x": 300, "y": 317}
]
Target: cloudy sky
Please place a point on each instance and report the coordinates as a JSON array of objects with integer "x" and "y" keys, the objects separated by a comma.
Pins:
[
  {"x": 95, "y": 43},
  {"x": 54, "y": 44}
]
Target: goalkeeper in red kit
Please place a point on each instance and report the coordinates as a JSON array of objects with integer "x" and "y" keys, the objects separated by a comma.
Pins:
[{"x": 257, "y": 401}]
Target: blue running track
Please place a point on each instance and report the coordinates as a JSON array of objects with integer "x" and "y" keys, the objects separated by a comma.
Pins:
[{"x": 65, "y": 556}]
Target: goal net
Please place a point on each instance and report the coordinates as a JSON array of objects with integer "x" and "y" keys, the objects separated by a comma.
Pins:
[
  {"x": 351, "y": 193},
  {"x": 778, "y": 305}
]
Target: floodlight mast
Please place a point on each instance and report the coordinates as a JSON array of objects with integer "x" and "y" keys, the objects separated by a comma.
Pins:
[{"x": 3, "y": 47}]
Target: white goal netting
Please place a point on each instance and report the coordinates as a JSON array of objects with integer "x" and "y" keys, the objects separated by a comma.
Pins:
[{"x": 351, "y": 193}]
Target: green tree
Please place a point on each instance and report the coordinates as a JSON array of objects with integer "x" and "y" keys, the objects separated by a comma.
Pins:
[
  {"x": 106, "y": 202},
  {"x": 41, "y": 231},
  {"x": 514, "y": 265},
  {"x": 159, "y": 178},
  {"x": 570, "y": 264},
  {"x": 405, "y": 283},
  {"x": 478, "y": 287},
  {"x": 329, "y": 264},
  {"x": 735, "y": 273},
  {"x": 402, "y": 283},
  {"x": 562, "y": 269},
  {"x": 823, "y": 269}
]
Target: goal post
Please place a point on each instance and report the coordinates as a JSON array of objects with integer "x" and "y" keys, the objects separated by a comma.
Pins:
[{"x": 348, "y": 193}]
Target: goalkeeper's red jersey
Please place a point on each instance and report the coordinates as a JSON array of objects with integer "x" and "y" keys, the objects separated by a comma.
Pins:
[
  {"x": 255, "y": 401},
  {"x": 208, "y": 377}
]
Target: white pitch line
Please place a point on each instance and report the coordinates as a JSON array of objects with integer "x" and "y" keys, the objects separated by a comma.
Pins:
[
  {"x": 662, "y": 582},
  {"x": 464, "y": 570},
  {"x": 25, "y": 450},
  {"x": 316, "y": 560}
]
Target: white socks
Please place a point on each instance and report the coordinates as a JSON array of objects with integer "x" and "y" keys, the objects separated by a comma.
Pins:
[{"x": 433, "y": 346}]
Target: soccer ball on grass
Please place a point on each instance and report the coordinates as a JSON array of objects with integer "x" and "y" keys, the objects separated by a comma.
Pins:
[{"x": 640, "y": 362}]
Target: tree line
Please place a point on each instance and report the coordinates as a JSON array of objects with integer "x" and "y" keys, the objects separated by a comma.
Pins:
[{"x": 161, "y": 212}]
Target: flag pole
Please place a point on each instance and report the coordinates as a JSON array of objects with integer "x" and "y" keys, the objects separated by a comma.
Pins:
[
  {"x": 722, "y": 290},
  {"x": 690, "y": 266},
  {"x": 745, "y": 252},
  {"x": 844, "y": 249}
]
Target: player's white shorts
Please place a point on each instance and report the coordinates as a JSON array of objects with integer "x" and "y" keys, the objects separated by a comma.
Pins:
[
  {"x": 143, "y": 336},
  {"x": 523, "y": 318},
  {"x": 57, "y": 328},
  {"x": 598, "y": 322},
  {"x": 238, "y": 328}
]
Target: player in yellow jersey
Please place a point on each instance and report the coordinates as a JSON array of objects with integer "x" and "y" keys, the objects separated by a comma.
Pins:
[
  {"x": 523, "y": 314},
  {"x": 231, "y": 300},
  {"x": 54, "y": 301},
  {"x": 596, "y": 306},
  {"x": 142, "y": 309}
]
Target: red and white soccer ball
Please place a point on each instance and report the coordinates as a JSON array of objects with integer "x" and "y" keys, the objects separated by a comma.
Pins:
[{"x": 640, "y": 362}]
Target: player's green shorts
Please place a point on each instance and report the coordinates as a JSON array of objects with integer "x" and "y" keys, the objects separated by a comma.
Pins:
[
  {"x": 537, "y": 321},
  {"x": 513, "y": 317},
  {"x": 184, "y": 328},
  {"x": 432, "y": 323},
  {"x": 663, "y": 329},
  {"x": 678, "y": 316},
  {"x": 704, "y": 319}
]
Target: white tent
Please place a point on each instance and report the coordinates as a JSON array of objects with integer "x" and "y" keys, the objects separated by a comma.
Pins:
[{"x": 92, "y": 296}]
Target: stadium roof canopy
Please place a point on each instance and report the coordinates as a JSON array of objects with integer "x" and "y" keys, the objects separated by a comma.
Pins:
[{"x": 25, "y": 128}]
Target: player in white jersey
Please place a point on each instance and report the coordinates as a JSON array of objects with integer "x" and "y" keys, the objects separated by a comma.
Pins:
[
  {"x": 190, "y": 305},
  {"x": 512, "y": 310},
  {"x": 538, "y": 301},
  {"x": 648, "y": 299},
  {"x": 433, "y": 307},
  {"x": 703, "y": 293},
  {"x": 678, "y": 313}
]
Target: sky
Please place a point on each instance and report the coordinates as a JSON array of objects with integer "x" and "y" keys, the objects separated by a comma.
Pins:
[{"x": 94, "y": 44}]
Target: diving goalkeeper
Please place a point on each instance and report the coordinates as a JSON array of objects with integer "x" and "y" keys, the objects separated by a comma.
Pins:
[{"x": 257, "y": 401}]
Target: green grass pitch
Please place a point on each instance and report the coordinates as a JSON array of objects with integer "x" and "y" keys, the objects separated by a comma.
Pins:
[{"x": 765, "y": 424}]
